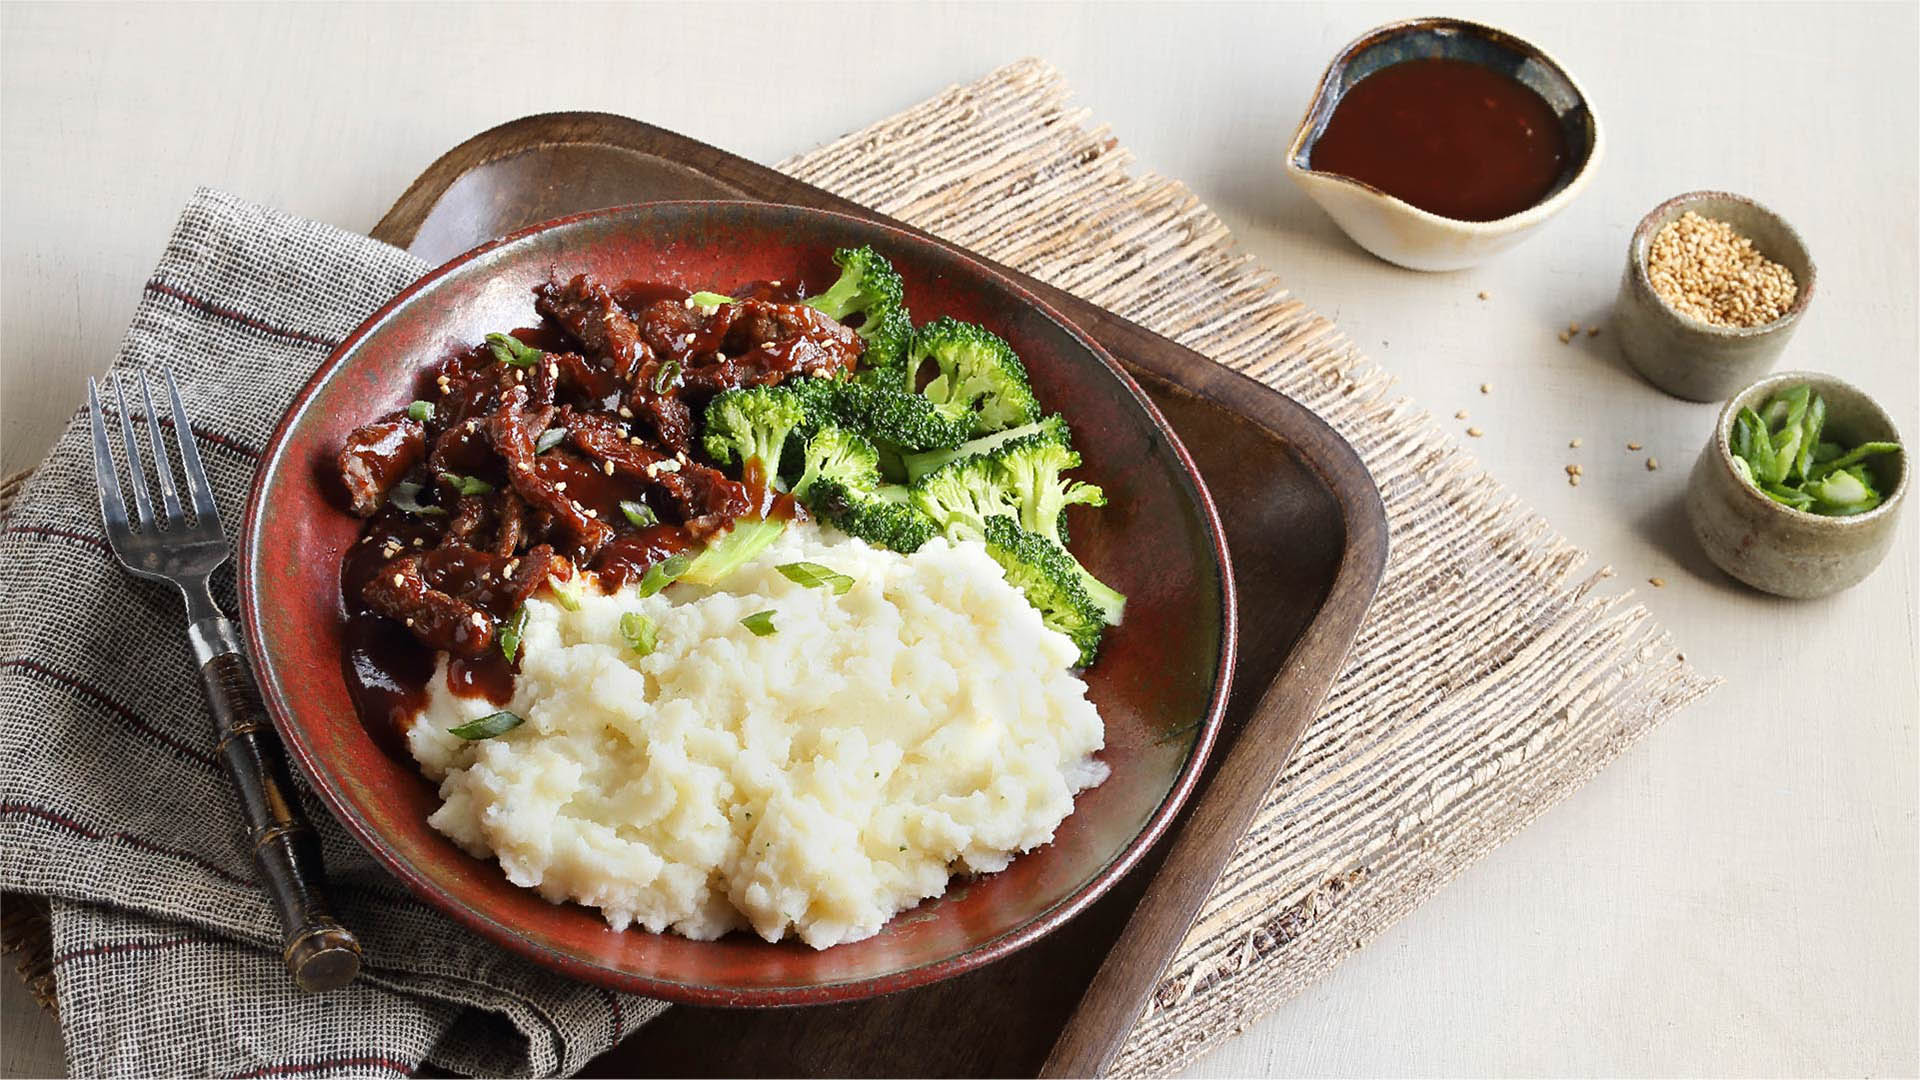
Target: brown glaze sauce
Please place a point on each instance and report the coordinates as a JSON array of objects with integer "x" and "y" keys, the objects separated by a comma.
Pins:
[
  {"x": 627, "y": 557},
  {"x": 1448, "y": 136},
  {"x": 387, "y": 670}
]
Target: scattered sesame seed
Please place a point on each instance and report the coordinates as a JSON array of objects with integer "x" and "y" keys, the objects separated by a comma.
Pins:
[
  {"x": 635, "y": 440},
  {"x": 687, "y": 303},
  {"x": 592, "y": 513},
  {"x": 607, "y": 467},
  {"x": 1461, "y": 415},
  {"x": 561, "y": 486},
  {"x": 1593, "y": 331},
  {"x": 1565, "y": 337},
  {"x": 775, "y": 284},
  {"x": 399, "y": 580},
  {"x": 1485, "y": 295},
  {"x": 1573, "y": 328},
  {"x": 409, "y": 620},
  {"x": 1574, "y": 442},
  {"x": 1573, "y": 470},
  {"x": 1658, "y": 583},
  {"x": 766, "y": 345},
  {"x": 626, "y": 413},
  {"x": 520, "y": 375},
  {"x": 1653, "y": 464},
  {"x": 1475, "y": 432},
  {"x": 1486, "y": 388},
  {"x": 1573, "y": 479},
  {"x": 687, "y": 340},
  {"x": 1633, "y": 446},
  {"x": 1706, "y": 270},
  {"x": 419, "y": 541},
  {"x": 511, "y": 566},
  {"x": 477, "y": 619}
]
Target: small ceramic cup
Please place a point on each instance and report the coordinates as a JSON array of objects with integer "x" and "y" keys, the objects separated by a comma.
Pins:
[
  {"x": 1678, "y": 353},
  {"x": 1776, "y": 548},
  {"x": 1404, "y": 234}
]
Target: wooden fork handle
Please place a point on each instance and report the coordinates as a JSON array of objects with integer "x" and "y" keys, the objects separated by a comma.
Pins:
[{"x": 320, "y": 953}]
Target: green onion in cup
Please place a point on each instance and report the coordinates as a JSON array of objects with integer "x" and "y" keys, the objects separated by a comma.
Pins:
[{"x": 1781, "y": 452}]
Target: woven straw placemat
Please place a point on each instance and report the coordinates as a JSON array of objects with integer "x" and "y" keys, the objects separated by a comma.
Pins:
[{"x": 1491, "y": 679}]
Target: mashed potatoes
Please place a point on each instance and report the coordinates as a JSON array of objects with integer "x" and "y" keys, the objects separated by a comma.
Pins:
[{"x": 813, "y": 781}]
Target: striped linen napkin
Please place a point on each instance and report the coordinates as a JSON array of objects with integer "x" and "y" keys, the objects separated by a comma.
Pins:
[{"x": 112, "y": 803}]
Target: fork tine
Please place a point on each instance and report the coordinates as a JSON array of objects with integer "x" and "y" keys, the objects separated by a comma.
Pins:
[
  {"x": 143, "y": 507},
  {"x": 203, "y": 504},
  {"x": 112, "y": 508},
  {"x": 162, "y": 461}
]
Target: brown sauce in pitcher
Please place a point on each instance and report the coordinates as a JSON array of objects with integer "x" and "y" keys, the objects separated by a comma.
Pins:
[{"x": 1451, "y": 137}]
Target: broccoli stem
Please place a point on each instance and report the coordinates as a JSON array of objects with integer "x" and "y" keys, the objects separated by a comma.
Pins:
[{"x": 733, "y": 549}]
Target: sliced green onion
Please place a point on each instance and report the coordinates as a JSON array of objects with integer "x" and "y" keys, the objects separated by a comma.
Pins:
[
  {"x": 549, "y": 439},
  {"x": 513, "y": 352},
  {"x": 760, "y": 622},
  {"x": 467, "y": 485},
  {"x": 663, "y": 573},
  {"x": 812, "y": 575},
  {"x": 1781, "y": 452},
  {"x": 709, "y": 300},
  {"x": 510, "y": 634},
  {"x": 1810, "y": 426},
  {"x": 565, "y": 593},
  {"x": 1855, "y": 456},
  {"x": 639, "y": 513},
  {"x": 406, "y": 496},
  {"x": 666, "y": 376},
  {"x": 1787, "y": 496},
  {"x": 489, "y": 725},
  {"x": 421, "y": 411},
  {"x": 1845, "y": 492},
  {"x": 642, "y": 636}
]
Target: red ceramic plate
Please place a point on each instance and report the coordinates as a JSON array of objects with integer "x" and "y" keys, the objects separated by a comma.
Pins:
[{"x": 1161, "y": 681}]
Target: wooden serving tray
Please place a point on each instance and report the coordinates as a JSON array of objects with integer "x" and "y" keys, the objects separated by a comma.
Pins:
[{"x": 1308, "y": 536}]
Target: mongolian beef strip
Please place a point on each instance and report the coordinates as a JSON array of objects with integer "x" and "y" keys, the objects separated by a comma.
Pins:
[
  {"x": 702, "y": 496},
  {"x": 747, "y": 343},
  {"x": 587, "y": 311},
  {"x": 536, "y": 456},
  {"x": 378, "y": 456},
  {"x": 452, "y": 597},
  {"x": 515, "y": 429}
]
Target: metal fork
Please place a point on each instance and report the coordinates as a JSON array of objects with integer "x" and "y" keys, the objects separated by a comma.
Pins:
[{"x": 319, "y": 952}]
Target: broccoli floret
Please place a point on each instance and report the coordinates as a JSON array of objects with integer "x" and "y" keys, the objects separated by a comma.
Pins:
[
  {"x": 1020, "y": 479},
  {"x": 963, "y": 495},
  {"x": 975, "y": 370},
  {"x": 1046, "y": 575},
  {"x": 919, "y": 465},
  {"x": 908, "y": 421},
  {"x": 883, "y": 517},
  {"x": 1030, "y": 469},
  {"x": 869, "y": 287},
  {"x": 752, "y": 425},
  {"x": 839, "y": 454}
]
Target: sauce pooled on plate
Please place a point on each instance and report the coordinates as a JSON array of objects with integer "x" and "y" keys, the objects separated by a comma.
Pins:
[{"x": 1448, "y": 136}]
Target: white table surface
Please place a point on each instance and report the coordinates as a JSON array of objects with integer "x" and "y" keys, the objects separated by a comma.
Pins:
[{"x": 1737, "y": 895}]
